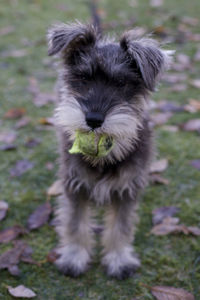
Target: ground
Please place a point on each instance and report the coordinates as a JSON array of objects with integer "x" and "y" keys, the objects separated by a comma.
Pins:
[{"x": 170, "y": 260}]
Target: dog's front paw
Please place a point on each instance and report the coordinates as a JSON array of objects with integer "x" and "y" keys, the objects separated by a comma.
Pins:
[
  {"x": 73, "y": 260},
  {"x": 121, "y": 264}
]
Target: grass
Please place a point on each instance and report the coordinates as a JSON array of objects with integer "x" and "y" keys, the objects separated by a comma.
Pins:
[{"x": 169, "y": 260}]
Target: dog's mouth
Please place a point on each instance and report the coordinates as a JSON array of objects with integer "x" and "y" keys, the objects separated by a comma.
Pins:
[{"x": 91, "y": 144}]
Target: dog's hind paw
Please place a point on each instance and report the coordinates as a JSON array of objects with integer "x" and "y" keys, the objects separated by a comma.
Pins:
[{"x": 73, "y": 260}]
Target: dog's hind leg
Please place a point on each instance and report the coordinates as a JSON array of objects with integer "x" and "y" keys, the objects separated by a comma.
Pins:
[
  {"x": 74, "y": 229},
  {"x": 119, "y": 258}
]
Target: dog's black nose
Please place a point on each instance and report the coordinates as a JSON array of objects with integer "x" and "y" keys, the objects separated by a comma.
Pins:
[{"x": 94, "y": 119}]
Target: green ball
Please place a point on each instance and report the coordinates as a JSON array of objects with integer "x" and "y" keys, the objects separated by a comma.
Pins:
[{"x": 88, "y": 143}]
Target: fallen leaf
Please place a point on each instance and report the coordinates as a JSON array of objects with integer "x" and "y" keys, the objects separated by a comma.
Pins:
[
  {"x": 47, "y": 121},
  {"x": 10, "y": 258},
  {"x": 191, "y": 125},
  {"x": 15, "y": 113},
  {"x": 8, "y": 137},
  {"x": 7, "y": 30},
  {"x": 49, "y": 165},
  {"x": 159, "y": 214},
  {"x": 11, "y": 233},
  {"x": 170, "y": 293},
  {"x": 193, "y": 106},
  {"x": 44, "y": 98},
  {"x": 21, "y": 291},
  {"x": 170, "y": 225},
  {"x": 197, "y": 55},
  {"x": 195, "y": 83},
  {"x": 161, "y": 118},
  {"x": 24, "y": 121},
  {"x": 156, "y": 3},
  {"x": 26, "y": 256},
  {"x": 39, "y": 98},
  {"x": 179, "y": 87},
  {"x": 32, "y": 142},
  {"x": 194, "y": 230},
  {"x": 40, "y": 216},
  {"x": 3, "y": 209},
  {"x": 52, "y": 256},
  {"x": 157, "y": 178},
  {"x": 21, "y": 167},
  {"x": 97, "y": 229},
  {"x": 8, "y": 147},
  {"x": 159, "y": 166},
  {"x": 170, "y": 128},
  {"x": 195, "y": 163},
  {"x": 169, "y": 106},
  {"x": 184, "y": 60},
  {"x": 174, "y": 77},
  {"x": 190, "y": 21},
  {"x": 55, "y": 189},
  {"x": 14, "y": 53},
  {"x": 194, "y": 37}
]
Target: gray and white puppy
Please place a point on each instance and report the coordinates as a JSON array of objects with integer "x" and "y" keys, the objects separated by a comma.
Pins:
[{"x": 103, "y": 86}]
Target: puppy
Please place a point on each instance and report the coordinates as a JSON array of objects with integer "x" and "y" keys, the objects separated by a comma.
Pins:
[{"x": 103, "y": 86}]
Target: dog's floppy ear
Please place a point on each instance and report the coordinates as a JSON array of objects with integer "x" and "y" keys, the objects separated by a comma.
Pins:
[
  {"x": 147, "y": 56},
  {"x": 63, "y": 37}
]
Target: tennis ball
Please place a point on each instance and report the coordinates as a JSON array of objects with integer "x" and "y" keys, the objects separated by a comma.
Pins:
[{"x": 88, "y": 143}]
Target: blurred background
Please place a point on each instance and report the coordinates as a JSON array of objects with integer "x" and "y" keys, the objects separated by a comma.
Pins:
[{"x": 28, "y": 146}]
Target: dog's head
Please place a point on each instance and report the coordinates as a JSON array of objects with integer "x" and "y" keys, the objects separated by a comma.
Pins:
[{"x": 104, "y": 85}]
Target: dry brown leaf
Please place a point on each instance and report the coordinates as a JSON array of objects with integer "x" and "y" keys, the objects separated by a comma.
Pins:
[
  {"x": 40, "y": 216},
  {"x": 190, "y": 21},
  {"x": 195, "y": 163},
  {"x": 24, "y": 121},
  {"x": 21, "y": 167},
  {"x": 170, "y": 225},
  {"x": 170, "y": 293},
  {"x": 194, "y": 230},
  {"x": 55, "y": 189},
  {"x": 8, "y": 147},
  {"x": 156, "y": 3},
  {"x": 7, "y": 30},
  {"x": 162, "y": 213},
  {"x": 3, "y": 209},
  {"x": 197, "y": 55},
  {"x": 11, "y": 233},
  {"x": 15, "y": 53},
  {"x": 184, "y": 60},
  {"x": 179, "y": 87},
  {"x": 161, "y": 118},
  {"x": 168, "y": 106},
  {"x": 157, "y": 178},
  {"x": 21, "y": 291},
  {"x": 15, "y": 113},
  {"x": 174, "y": 77},
  {"x": 10, "y": 258},
  {"x": 195, "y": 83},
  {"x": 170, "y": 128},
  {"x": 191, "y": 125},
  {"x": 52, "y": 256},
  {"x": 159, "y": 166},
  {"x": 8, "y": 137},
  {"x": 47, "y": 121},
  {"x": 193, "y": 106}
]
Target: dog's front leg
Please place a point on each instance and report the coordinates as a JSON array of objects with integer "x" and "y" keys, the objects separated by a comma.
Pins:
[
  {"x": 119, "y": 258},
  {"x": 74, "y": 229}
]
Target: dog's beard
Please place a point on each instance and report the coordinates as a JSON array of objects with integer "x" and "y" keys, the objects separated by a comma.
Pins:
[{"x": 122, "y": 123}]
